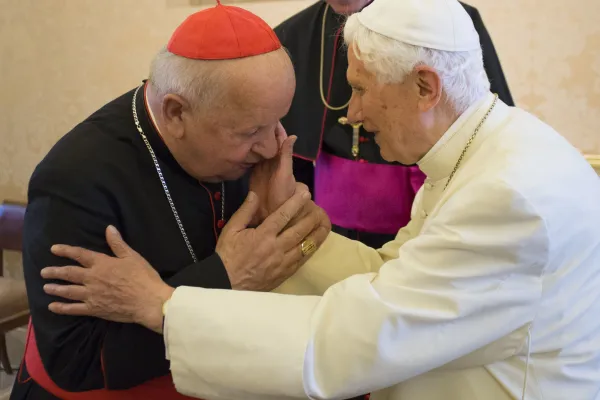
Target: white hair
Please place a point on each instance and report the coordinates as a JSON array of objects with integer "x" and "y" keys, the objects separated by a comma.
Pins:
[
  {"x": 463, "y": 76},
  {"x": 198, "y": 81}
]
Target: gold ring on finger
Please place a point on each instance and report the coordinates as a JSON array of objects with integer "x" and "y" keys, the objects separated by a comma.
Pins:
[{"x": 308, "y": 247}]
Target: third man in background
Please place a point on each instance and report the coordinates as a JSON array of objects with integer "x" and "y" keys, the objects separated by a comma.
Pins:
[{"x": 339, "y": 162}]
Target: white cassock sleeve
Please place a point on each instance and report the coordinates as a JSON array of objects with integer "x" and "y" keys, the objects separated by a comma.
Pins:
[
  {"x": 340, "y": 258},
  {"x": 461, "y": 294}
]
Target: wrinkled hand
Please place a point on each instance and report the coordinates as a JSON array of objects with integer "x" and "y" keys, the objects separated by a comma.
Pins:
[
  {"x": 261, "y": 258},
  {"x": 312, "y": 215},
  {"x": 124, "y": 288},
  {"x": 273, "y": 180}
]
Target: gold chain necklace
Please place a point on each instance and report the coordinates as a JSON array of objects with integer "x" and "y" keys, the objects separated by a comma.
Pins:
[
  {"x": 485, "y": 117},
  {"x": 323, "y": 99}
]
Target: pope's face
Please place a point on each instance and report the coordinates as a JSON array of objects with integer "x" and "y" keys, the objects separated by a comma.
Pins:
[
  {"x": 391, "y": 111},
  {"x": 239, "y": 131},
  {"x": 347, "y": 7}
]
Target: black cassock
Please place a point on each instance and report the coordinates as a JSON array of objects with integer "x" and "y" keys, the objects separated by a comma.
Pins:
[
  {"x": 98, "y": 174},
  {"x": 318, "y": 130}
]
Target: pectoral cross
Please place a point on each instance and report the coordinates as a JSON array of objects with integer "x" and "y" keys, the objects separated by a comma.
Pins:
[{"x": 355, "y": 134}]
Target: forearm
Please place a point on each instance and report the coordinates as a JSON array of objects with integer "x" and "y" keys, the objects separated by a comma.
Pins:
[
  {"x": 337, "y": 259},
  {"x": 208, "y": 273},
  {"x": 257, "y": 368}
]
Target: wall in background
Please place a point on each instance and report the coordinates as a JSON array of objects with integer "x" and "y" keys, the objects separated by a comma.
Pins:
[{"x": 62, "y": 59}]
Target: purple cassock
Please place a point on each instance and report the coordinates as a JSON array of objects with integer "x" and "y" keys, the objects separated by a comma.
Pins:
[{"x": 363, "y": 196}]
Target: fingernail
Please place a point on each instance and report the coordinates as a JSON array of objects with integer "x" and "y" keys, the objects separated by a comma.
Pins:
[
  {"x": 294, "y": 138},
  {"x": 56, "y": 248},
  {"x": 306, "y": 195},
  {"x": 113, "y": 230},
  {"x": 251, "y": 197},
  {"x": 46, "y": 271},
  {"x": 49, "y": 287}
]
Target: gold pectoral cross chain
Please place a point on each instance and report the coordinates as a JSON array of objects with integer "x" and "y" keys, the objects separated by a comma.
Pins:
[{"x": 355, "y": 134}]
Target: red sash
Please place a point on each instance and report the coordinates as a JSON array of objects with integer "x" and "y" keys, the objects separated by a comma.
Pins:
[{"x": 157, "y": 389}]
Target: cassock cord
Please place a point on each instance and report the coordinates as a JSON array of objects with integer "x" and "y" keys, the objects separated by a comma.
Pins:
[{"x": 323, "y": 99}]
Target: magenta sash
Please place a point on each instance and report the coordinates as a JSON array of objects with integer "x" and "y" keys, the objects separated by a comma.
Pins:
[{"x": 374, "y": 198}]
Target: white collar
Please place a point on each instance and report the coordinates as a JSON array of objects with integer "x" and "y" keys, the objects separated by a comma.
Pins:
[
  {"x": 150, "y": 113},
  {"x": 439, "y": 161}
]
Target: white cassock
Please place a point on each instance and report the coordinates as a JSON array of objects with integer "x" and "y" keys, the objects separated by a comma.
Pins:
[{"x": 503, "y": 264}]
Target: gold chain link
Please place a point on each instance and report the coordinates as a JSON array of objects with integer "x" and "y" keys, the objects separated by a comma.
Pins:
[{"x": 485, "y": 117}]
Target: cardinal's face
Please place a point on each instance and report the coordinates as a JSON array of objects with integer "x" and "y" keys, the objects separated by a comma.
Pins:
[{"x": 225, "y": 139}]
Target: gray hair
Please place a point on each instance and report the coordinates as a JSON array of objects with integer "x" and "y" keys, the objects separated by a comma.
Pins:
[
  {"x": 463, "y": 76},
  {"x": 199, "y": 82}
]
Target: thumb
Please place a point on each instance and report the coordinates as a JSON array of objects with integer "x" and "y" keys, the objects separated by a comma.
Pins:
[
  {"x": 245, "y": 214},
  {"x": 116, "y": 243},
  {"x": 287, "y": 150},
  {"x": 280, "y": 134},
  {"x": 287, "y": 156}
]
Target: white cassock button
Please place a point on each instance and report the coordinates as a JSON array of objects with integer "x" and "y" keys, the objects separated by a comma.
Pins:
[
  {"x": 428, "y": 186},
  {"x": 423, "y": 213}
]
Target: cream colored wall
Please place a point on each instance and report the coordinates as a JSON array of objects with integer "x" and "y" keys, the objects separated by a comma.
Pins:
[{"x": 61, "y": 59}]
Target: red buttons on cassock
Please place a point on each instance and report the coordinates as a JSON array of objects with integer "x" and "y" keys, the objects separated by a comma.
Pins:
[
  {"x": 217, "y": 196},
  {"x": 220, "y": 224},
  {"x": 363, "y": 139},
  {"x": 362, "y": 161}
]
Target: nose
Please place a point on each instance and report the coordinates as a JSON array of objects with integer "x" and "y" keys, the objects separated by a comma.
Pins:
[
  {"x": 267, "y": 147},
  {"x": 355, "y": 110}
]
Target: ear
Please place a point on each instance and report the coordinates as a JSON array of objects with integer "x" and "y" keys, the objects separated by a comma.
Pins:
[
  {"x": 175, "y": 110},
  {"x": 430, "y": 87}
]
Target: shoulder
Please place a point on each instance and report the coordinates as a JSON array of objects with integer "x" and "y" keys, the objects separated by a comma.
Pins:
[
  {"x": 298, "y": 23},
  {"x": 88, "y": 156},
  {"x": 517, "y": 168},
  {"x": 490, "y": 194}
]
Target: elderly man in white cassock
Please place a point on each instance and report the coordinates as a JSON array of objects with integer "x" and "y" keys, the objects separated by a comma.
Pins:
[{"x": 491, "y": 292}]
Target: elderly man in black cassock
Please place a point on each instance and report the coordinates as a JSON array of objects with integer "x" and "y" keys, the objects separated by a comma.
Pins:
[
  {"x": 341, "y": 163},
  {"x": 167, "y": 164}
]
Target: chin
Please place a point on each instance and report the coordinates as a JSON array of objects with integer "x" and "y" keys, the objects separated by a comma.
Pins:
[
  {"x": 387, "y": 157},
  {"x": 238, "y": 173},
  {"x": 233, "y": 175}
]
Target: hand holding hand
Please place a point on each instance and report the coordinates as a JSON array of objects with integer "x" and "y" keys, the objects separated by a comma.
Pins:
[{"x": 261, "y": 259}]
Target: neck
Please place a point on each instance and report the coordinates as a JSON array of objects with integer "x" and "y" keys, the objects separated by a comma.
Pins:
[
  {"x": 439, "y": 162},
  {"x": 437, "y": 123}
]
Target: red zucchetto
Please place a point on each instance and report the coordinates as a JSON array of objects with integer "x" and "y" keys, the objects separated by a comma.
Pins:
[{"x": 223, "y": 33}]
